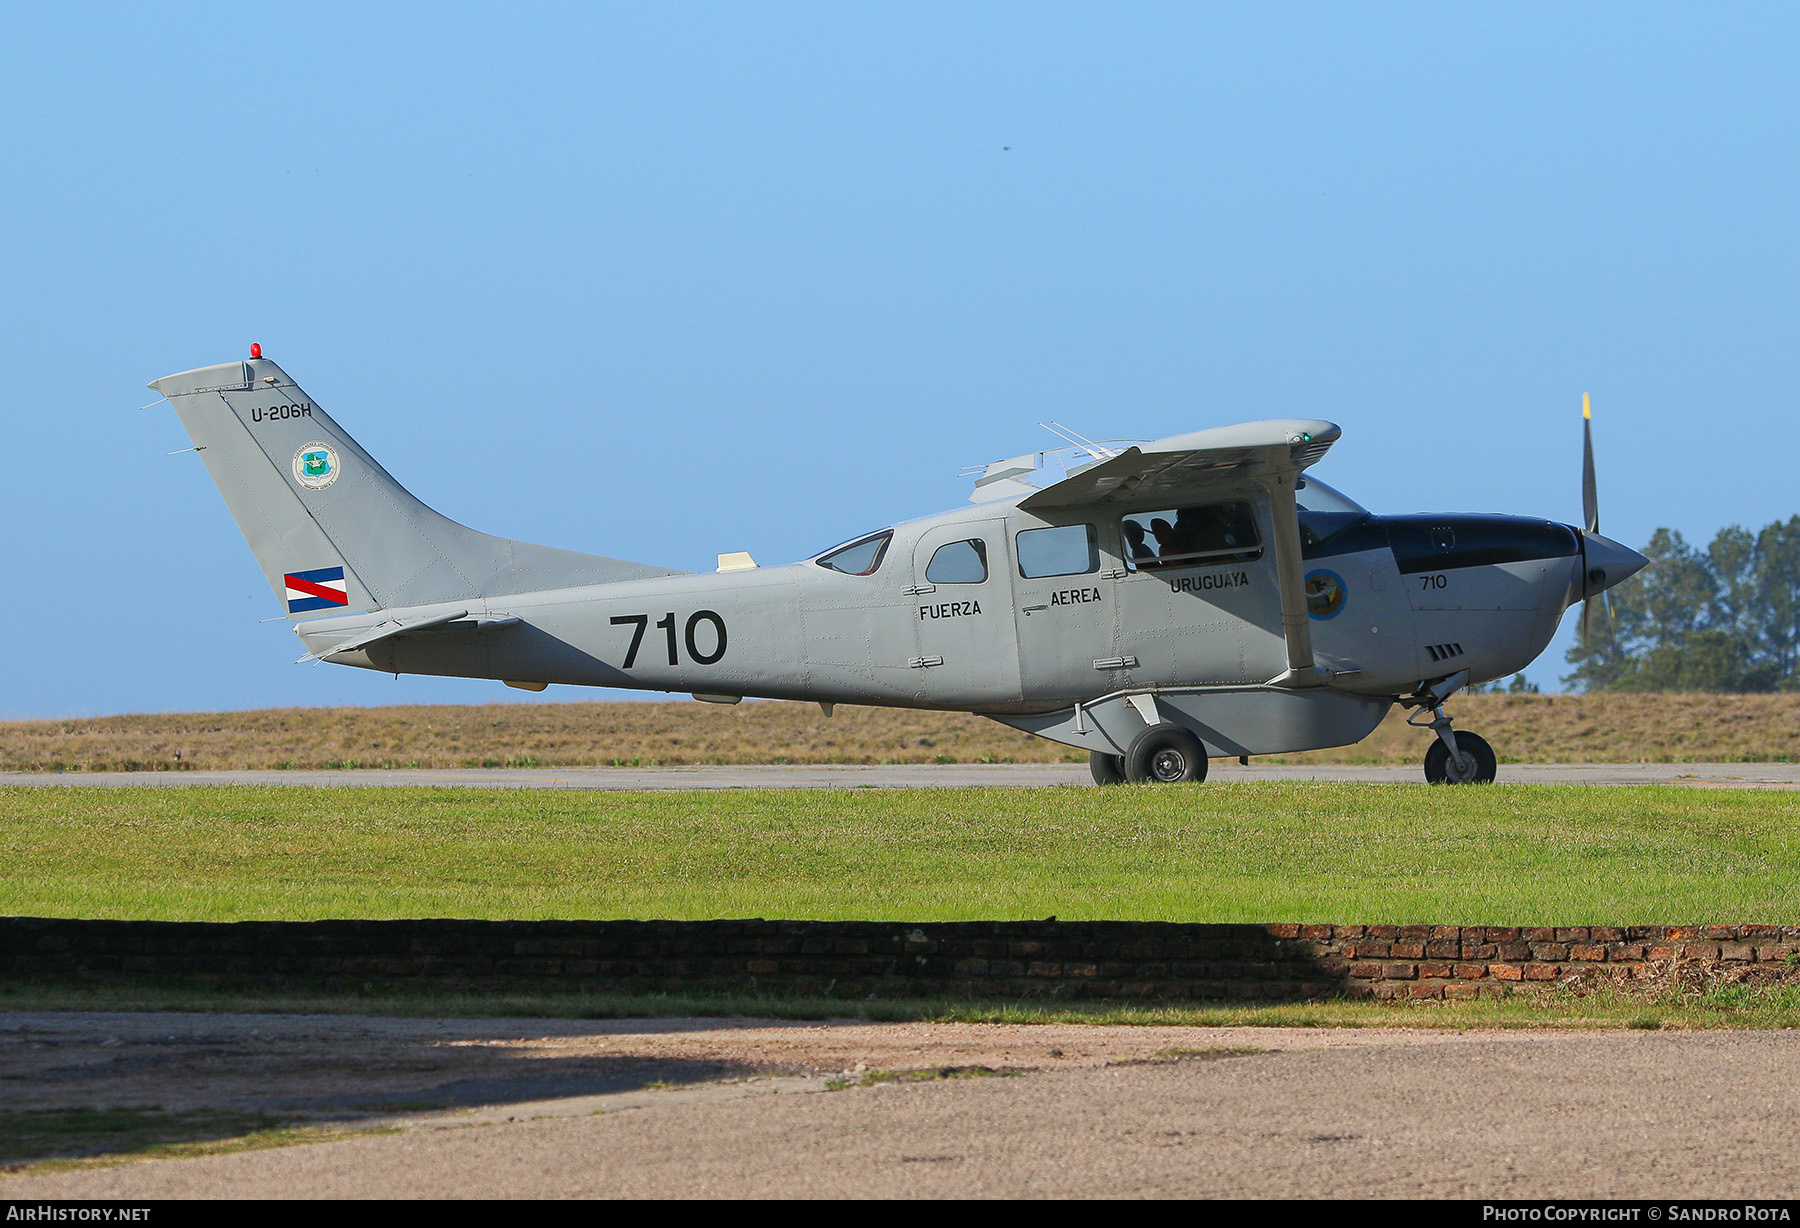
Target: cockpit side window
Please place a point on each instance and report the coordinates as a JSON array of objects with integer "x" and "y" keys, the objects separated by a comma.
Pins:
[
  {"x": 963, "y": 562},
  {"x": 1192, "y": 536},
  {"x": 861, "y": 557}
]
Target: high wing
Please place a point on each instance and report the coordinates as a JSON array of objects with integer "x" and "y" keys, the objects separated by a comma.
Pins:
[
  {"x": 1268, "y": 454},
  {"x": 1195, "y": 463}
]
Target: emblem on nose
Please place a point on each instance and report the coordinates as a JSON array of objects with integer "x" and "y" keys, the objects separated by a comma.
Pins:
[{"x": 1324, "y": 594}]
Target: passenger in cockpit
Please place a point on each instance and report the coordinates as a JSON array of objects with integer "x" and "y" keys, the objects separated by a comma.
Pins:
[{"x": 1135, "y": 543}]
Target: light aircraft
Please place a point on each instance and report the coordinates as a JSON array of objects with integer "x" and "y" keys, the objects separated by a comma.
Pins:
[{"x": 1151, "y": 603}]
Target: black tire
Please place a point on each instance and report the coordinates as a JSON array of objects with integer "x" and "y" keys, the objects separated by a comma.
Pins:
[
  {"x": 1165, "y": 755},
  {"x": 1107, "y": 769},
  {"x": 1437, "y": 761}
]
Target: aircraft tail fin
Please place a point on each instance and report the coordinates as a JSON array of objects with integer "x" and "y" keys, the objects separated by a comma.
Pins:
[{"x": 331, "y": 528}]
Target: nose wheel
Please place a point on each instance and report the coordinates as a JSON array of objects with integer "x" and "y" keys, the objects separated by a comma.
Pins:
[
  {"x": 1455, "y": 758},
  {"x": 1474, "y": 764}
]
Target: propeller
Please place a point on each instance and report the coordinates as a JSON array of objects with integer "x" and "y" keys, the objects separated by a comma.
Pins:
[
  {"x": 1590, "y": 515},
  {"x": 1590, "y": 494}
]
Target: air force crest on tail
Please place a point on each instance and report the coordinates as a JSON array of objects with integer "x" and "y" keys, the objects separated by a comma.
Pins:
[
  {"x": 316, "y": 465},
  {"x": 323, "y": 588}
]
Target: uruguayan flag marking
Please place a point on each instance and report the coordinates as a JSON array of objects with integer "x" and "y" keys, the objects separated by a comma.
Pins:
[{"x": 319, "y": 589}]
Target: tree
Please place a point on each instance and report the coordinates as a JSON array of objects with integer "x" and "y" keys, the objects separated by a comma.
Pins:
[
  {"x": 1777, "y": 572},
  {"x": 1723, "y": 620}
]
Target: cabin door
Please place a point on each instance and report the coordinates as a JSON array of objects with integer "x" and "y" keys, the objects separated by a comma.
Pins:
[{"x": 967, "y": 654}]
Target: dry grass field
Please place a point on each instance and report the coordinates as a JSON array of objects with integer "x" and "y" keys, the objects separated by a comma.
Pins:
[{"x": 1522, "y": 728}]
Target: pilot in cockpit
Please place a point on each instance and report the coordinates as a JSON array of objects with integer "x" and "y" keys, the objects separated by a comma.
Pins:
[{"x": 1164, "y": 533}]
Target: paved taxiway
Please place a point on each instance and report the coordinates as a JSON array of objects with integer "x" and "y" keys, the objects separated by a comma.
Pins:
[
  {"x": 743, "y": 1108},
  {"x": 917, "y": 776}
]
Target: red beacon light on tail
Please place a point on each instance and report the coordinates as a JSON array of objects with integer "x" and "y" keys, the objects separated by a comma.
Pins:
[{"x": 255, "y": 350}]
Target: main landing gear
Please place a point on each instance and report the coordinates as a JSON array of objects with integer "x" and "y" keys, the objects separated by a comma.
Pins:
[
  {"x": 1162, "y": 754},
  {"x": 1454, "y": 758}
]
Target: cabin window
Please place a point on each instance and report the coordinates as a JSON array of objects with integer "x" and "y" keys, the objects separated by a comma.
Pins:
[
  {"x": 958, "y": 563},
  {"x": 1192, "y": 536},
  {"x": 1068, "y": 550},
  {"x": 860, "y": 557}
]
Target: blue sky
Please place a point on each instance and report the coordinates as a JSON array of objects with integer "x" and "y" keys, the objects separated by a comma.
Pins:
[{"x": 665, "y": 281}]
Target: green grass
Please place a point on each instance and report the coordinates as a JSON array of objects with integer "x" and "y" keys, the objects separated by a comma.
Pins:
[
  {"x": 929, "y": 1074},
  {"x": 1694, "y": 1005},
  {"x": 1294, "y": 851},
  {"x": 59, "y": 1140}
]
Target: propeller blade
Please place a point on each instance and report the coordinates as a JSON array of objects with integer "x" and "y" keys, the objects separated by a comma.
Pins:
[
  {"x": 1590, "y": 493},
  {"x": 1592, "y": 627}
]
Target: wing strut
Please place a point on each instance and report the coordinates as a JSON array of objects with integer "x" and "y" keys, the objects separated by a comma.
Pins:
[
  {"x": 1270, "y": 454},
  {"x": 1296, "y": 622}
]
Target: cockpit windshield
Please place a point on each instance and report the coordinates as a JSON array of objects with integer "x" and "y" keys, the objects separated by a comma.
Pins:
[
  {"x": 859, "y": 557},
  {"x": 1324, "y": 511},
  {"x": 1314, "y": 496}
]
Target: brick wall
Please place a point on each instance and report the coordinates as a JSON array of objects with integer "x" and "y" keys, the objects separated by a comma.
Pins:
[{"x": 1067, "y": 959}]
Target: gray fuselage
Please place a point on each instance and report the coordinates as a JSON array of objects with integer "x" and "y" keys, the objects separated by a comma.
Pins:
[{"x": 1486, "y": 596}]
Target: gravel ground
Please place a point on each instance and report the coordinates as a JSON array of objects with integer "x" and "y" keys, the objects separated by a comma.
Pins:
[{"x": 558, "y": 1108}]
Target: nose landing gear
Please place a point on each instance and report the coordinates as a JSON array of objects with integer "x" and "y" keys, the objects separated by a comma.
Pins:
[
  {"x": 1455, "y": 758},
  {"x": 1474, "y": 764}
]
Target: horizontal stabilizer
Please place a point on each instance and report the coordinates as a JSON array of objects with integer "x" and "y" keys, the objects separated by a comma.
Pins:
[{"x": 385, "y": 629}]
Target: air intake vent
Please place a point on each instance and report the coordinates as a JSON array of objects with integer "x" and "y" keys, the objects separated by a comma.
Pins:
[{"x": 1443, "y": 652}]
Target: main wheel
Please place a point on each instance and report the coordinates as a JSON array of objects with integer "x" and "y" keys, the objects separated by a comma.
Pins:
[
  {"x": 1165, "y": 754},
  {"x": 1107, "y": 769},
  {"x": 1477, "y": 768}
]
